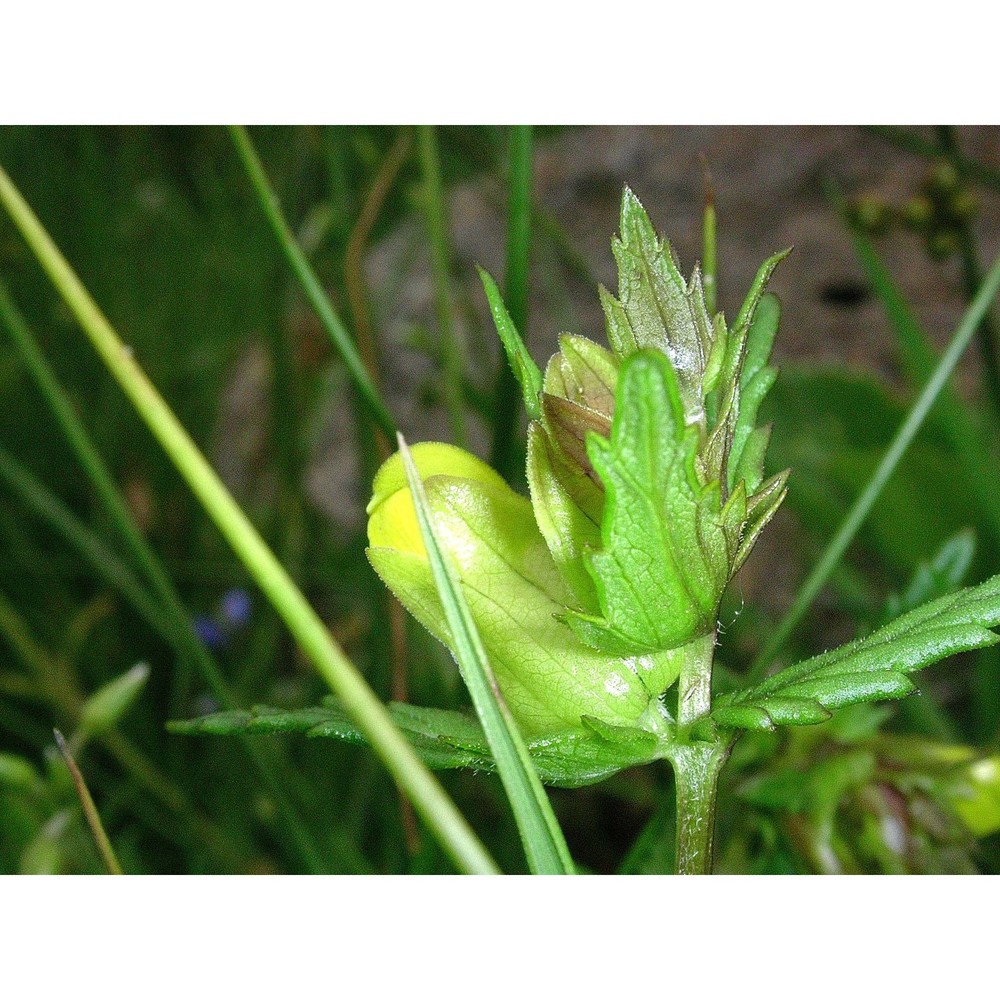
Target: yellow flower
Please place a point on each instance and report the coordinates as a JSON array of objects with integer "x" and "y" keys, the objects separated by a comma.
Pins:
[{"x": 517, "y": 595}]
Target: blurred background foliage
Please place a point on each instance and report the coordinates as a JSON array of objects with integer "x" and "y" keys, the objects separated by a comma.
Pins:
[{"x": 164, "y": 229}]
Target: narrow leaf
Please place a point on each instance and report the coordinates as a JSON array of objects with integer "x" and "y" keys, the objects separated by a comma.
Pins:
[
  {"x": 109, "y": 703},
  {"x": 528, "y": 375}
]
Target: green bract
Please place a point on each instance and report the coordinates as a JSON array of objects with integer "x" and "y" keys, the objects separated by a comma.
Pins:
[{"x": 645, "y": 470}]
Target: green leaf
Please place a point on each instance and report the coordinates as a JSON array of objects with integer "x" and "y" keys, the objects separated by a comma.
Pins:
[
  {"x": 446, "y": 739},
  {"x": 526, "y": 371},
  {"x": 872, "y": 668},
  {"x": 543, "y": 840},
  {"x": 574, "y": 759},
  {"x": 583, "y": 372},
  {"x": 562, "y": 519},
  {"x": 663, "y": 563},
  {"x": 109, "y": 703},
  {"x": 658, "y": 309},
  {"x": 641, "y": 741},
  {"x": 756, "y": 380},
  {"x": 263, "y": 719},
  {"x": 742, "y": 373},
  {"x": 442, "y": 739}
]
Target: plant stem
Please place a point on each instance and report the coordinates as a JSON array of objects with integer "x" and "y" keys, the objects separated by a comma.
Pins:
[
  {"x": 696, "y": 763},
  {"x": 434, "y": 210},
  {"x": 90, "y": 812},
  {"x": 709, "y": 268},
  {"x": 694, "y": 687},
  {"x": 696, "y": 777},
  {"x": 432, "y": 802}
]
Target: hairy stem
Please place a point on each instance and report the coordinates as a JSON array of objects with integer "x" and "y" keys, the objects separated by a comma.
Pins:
[
  {"x": 696, "y": 763},
  {"x": 696, "y": 778},
  {"x": 694, "y": 691}
]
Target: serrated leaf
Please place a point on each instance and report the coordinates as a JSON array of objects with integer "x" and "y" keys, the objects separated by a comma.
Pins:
[
  {"x": 447, "y": 739},
  {"x": 571, "y": 760},
  {"x": 655, "y": 302},
  {"x": 619, "y": 330},
  {"x": 583, "y": 372},
  {"x": 663, "y": 562},
  {"x": 734, "y": 396},
  {"x": 263, "y": 719},
  {"x": 522, "y": 364},
  {"x": 442, "y": 739},
  {"x": 876, "y": 667}
]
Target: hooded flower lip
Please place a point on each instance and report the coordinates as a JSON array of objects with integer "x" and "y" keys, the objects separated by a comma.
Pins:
[{"x": 517, "y": 596}]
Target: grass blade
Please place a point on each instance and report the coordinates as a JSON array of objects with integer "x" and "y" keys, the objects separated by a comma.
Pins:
[
  {"x": 163, "y": 610},
  {"x": 306, "y": 276},
  {"x": 90, "y": 812},
  {"x": 452, "y": 362},
  {"x": 862, "y": 506},
  {"x": 950, "y": 413},
  {"x": 106, "y": 563},
  {"x": 543, "y": 840},
  {"x": 426, "y": 793},
  {"x": 506, "y": 394}
]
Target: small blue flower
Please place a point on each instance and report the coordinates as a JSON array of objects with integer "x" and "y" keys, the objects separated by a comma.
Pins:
[
  {"x": 235, "y": 607},
  {"x": 209, "y": 632}
]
